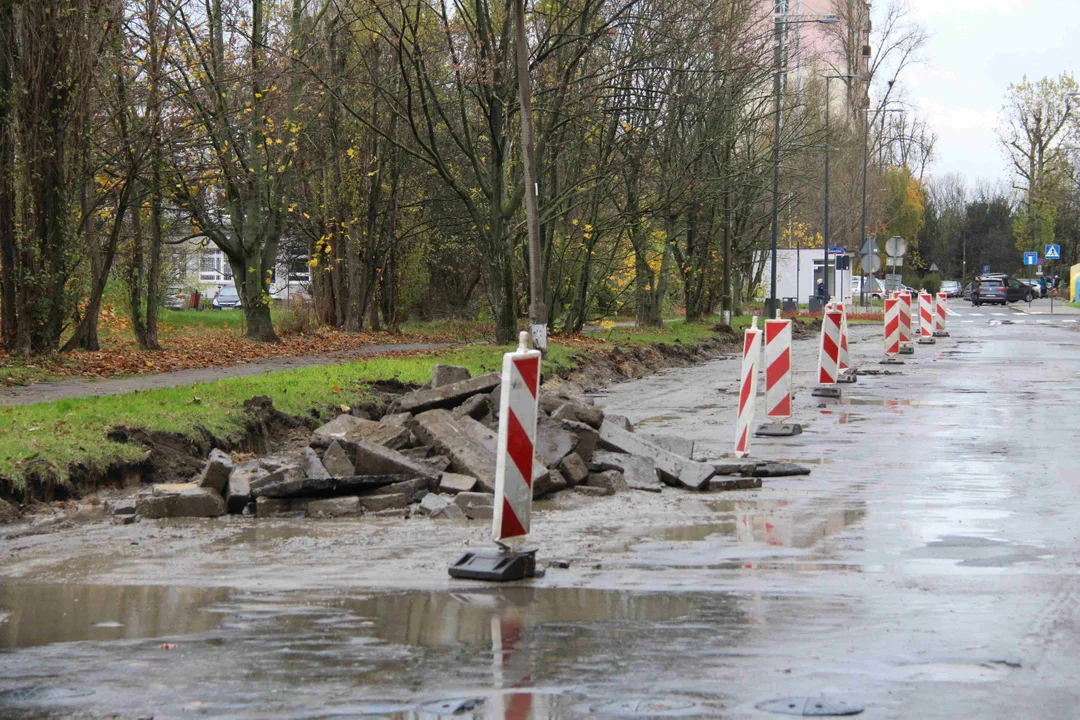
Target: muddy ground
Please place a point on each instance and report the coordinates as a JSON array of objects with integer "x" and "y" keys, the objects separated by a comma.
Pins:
[{"x": 926, "y": 568}]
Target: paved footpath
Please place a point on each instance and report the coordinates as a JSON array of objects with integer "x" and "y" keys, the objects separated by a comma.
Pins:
[{"x": 79, "y": 388}]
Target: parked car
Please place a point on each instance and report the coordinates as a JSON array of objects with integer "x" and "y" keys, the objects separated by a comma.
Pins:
[
  {"x": 1038, "y": 289},
  {"x": 967, "y": 290},
  {"x": 990, "y": 290},
  {"x": 951, "y": 288},
  {"x": 177, "y": 299},
  {"x": 226, "y": 299}
]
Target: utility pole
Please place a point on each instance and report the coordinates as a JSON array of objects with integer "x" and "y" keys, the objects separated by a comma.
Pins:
[
  {"x": 537, "y": 309},
  {"x": 828, "y": 140}
]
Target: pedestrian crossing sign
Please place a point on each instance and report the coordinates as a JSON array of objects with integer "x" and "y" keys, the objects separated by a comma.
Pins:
[{"x": 1053, "y": 252}]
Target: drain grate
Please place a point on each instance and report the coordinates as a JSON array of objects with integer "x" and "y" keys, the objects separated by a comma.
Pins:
[{"x": 808, "y": 707}]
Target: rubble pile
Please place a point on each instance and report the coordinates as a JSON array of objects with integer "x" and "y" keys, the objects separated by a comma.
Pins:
[{"x": 434, "y": 453}]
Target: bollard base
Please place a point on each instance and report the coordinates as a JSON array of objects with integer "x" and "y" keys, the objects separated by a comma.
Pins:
[
  {"x": 848, "y": 376},
  {"x": 891, "y": 361},
  {"x": 927, "y": 341},
  {"x": 778, "y": 430},
  {"x": 495, "y": 565},
  {"x": 826, "y": 391},
  {"x": 941, "y": 333},
  {"x": 907, "y": 349}
]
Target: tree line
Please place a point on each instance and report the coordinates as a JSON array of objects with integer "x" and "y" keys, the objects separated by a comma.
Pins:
[{"x": 382, "y": 139}]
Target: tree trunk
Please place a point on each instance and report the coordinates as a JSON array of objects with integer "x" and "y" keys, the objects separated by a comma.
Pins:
[
  {"x": 136, "y": 271},
  {"x": 9, "y": 317}
]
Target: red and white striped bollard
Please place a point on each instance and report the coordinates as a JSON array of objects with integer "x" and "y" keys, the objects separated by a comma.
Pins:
[
  {"x": 513, "y": 473},
  {"x": 906, "y": 346},
  {"x": 829, "y": 357},
  {"x": 747, "y": 389},
  {"x": 940, "y": 313},
  {"x": 926, "y": 318},
  {"x": 892, "y": 332},
  {"x": 778, "y": 386}
]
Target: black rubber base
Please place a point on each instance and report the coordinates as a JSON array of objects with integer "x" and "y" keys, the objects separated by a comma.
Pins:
[
  {"x": 847, "y": 377},
  {"x": 495, "y": 565},
  {"x": 826, "y": 391},
  {"x": 778, "y": 430},
  {"x": 891, "y": 361},
  {"x": 927, "y": 341},
  {"x": 907, "y": 349},
  {"x": 942, "y": 333}
]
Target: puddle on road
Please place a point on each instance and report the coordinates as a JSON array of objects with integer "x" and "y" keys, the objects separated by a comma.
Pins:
[
  {"x": 44, "y": 614},
  {"x": 525, "y": 651},
  {"x": 978, "y": 552}
]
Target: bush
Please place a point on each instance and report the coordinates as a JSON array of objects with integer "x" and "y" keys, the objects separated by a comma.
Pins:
[
  {"x": 298, "y": 319},
  {"x": 932, "y": 283}
]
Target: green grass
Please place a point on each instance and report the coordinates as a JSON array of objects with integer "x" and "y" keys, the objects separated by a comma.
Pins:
[
  {"x": 680, "y": 332},
  {"x": 73, "y": 430},
  {"x": 1075, "y": 305},
  {"x": 216, "y": 319}
]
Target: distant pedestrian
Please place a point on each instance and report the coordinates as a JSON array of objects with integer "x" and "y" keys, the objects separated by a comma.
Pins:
[{"x": 821, "y": 291}]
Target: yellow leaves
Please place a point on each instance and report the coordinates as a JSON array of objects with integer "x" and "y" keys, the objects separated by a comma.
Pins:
[
  {"x": 351, "y": 152},
  {"x": 313, "y": 262},
  {"x": 574, "y": 222}
]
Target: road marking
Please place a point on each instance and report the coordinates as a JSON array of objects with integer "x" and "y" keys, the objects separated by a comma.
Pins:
[
  {"x": 954, "y": 314},
  {"x": 999, "y": 314},
  {"x": 1070, "y": 322},
  {"x": 975, "y": 314},
  {"x": 966, "y": 322}
]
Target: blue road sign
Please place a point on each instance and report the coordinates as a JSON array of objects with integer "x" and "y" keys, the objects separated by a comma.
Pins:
[
  {"x": 986, "y": 269},
  {"x": 837, "y": 251},
  {"x": 1053, "y": 252},
  {"x": 1031, "y": 258}
]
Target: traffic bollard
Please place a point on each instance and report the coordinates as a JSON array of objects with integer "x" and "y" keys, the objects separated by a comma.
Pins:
[
  {"x": 906, "y": 346},
  {"x": 829, "y": 356},
  {"x": 940, "y": 313},
  {"x": 892, "y": 332},
  {"x": 926, "y": 319},
  {"x": 778, "y": 394},
  {"x": 747, "y": 389}
]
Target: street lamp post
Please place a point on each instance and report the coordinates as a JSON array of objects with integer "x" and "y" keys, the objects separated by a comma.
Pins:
[
  {"x": 867, "y": 272},
  {"x": 827, "y": 243},
  {"x": 772, "y": 305}
]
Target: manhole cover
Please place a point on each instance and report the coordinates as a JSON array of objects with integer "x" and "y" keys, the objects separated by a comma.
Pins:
[
  {"x": 808, "y": 707},
  {"x": 452, "y": 707},
  {"x": 648, "y": 707}
]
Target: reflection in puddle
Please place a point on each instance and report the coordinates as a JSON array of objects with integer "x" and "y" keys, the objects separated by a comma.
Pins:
[
  {"x": 43, "y": 614},
  {"x": 511, "y": 652}
]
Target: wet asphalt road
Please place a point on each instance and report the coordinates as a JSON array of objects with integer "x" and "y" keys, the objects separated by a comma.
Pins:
[{"x": 927, "y": 568}]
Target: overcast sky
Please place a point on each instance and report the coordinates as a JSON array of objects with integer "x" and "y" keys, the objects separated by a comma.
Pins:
[{"x": 977, "y": 48}]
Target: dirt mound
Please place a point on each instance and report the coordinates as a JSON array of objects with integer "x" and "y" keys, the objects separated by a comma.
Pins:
[{"x": 9, "y": 514}]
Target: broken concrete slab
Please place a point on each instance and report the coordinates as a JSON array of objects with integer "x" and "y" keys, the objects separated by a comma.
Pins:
[
  {"x": 552, "y": 482},
  {"x": 638, "y": 471},
  {"x": 553, "y": 442},
  {"x": 591, "y": 416},
  {"x": 476, "y": 407},
  {"x": 588, "y": 439},
  {"x": 719, "y": 484},
  {"x": 359, "y": 484},
  {"x": 673, "y": 469},
  {"x": 123, "y": 506},
  {"x": 286, "y": 474},
  {"x": 415, "y": 489},
  {"x": 199, "y": 503},
  {"x": 733, "y": 468},
  {"x": 467, "y": 455},
  {"x": 399, "y": 419},
  {"x": 312, "y": 466},
  {"x": 438, "y": 463},
  {"x": 443, "y": 375},
  {"x": 619, "y": 421},
  {"x": 612, "y": 481},
  {"x": 775, "y": 469},
  {"x": 334, "y": 507},
  {"x": 347, "y": 429},
  {"x": 684, "y": 447},
  {"x": 489, "y": 439},
  {"x": 269, "y": 507},
  {"x": 192, "y": 502},
  {"x": 456, "y": 483},
  {"x": 238, "y": 492},
  {"x": 453, "y": 512},
  {"x": 378, "y": 503},
  {"x": 476, "y": 506},
  {"x": 374, "y": 459},
  {"x": 435, "y": 505},
  {"x": 448, "y": 396},
  {"x": 573, "y": 469},
  {"x": 215, "y": 474},
  {"x": 172, "y": 488},
  {"x": 337, "y": 462}
]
